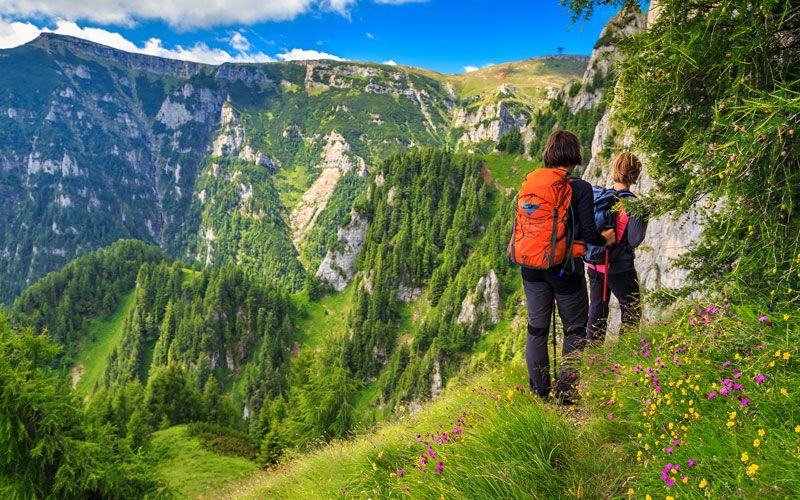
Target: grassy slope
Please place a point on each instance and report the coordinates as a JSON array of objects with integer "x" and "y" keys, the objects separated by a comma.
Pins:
[
  {"x": 508, "y": 171},
  {"x": 530, "y": 76},
  {"x": 190, "y": 470},
  {"x": 741, "y": 445},
  {"x": 103, "y": 337}
]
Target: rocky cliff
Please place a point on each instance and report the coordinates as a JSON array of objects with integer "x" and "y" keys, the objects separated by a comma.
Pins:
[{"x": 667, "y": 236}]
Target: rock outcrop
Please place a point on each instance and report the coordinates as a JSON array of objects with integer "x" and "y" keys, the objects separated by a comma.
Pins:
[
  {"x": 486, "y": 123},
  {"x": 338, "y": 267},
  {"x": 484, "y": 299},
  {"x": 667, "y": 237},
  {"x": 628, "y": 21},
  {"x": 231, "y": 140},
  {"x": 336, "y": 161}
]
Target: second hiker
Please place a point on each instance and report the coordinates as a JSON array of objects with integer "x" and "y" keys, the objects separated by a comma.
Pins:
[
  {"x": 614, "y": 272},
  {"x": 554, "y": 211}
]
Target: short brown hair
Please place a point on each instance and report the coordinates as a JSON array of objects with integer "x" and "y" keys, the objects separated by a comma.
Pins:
[
  {"x": 563, "y": 149},
  {"x": 627, "y": 168}
]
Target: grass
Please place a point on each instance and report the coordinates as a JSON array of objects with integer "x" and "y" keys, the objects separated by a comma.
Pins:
[
  {"x": 530, "y": 76},
  {"x": 191, "y": 471},
  {"x": 615, "y": 444},
  {"x": 508, "y": 171},
  {"x": 319, "y": 319},
  {"x": 103, "y": 336}
]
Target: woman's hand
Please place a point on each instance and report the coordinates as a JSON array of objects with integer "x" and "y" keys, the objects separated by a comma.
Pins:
[{"x": 610, "y": 236}]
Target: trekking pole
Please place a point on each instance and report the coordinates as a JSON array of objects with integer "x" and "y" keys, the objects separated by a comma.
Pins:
[
  {"x": 605, "y": 279},
  {"x": 555, "y": 348}
]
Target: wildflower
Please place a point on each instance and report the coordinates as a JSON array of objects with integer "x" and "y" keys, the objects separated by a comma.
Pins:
[
  {"x": 685, "y": 479},
  {"x": 630, "y": 492},
  {"x": 745, "y": 457},
  {"x": 671, "y": 482},
  {"x": 730, "y": 423},
  {"x": 762, "y": 319},
  {"x": 374, "y": 467},
  {"x": 677, "y": 442},
  {"x": 797, "y": 429},
  {"x": 745, "y": 401},
  {"x": 405, "y": 488},
  {"x": 760, "y": 379},
  {"x": 668, "y": 451},
  {"x": 648, "y": 497},
  {"x": 712, "y": 395},
  {"x": 400, "y": 472},
  {"x": 421, "y": 468},
  {"x": 751, "y": 471},
  {"x": 732, "y": 415},
  {"x": 439, "y": 467},
  {"x": 784, "y": 391},
  {"x": 431, "y": 453},
  {"x": 703, "y": 483},
  {"x": 761, "y": 432},
  {"x": 756, "y": 443},
  {"x": 610, "y": 416},
  {"x": 690, "y": 463},
  {"x": 786, "y": 356}
]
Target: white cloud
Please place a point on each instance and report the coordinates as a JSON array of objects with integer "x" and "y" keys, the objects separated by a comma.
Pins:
[
  {"x": 470, "y": 69},
  {"x": 182, "y": 13},
  {"x": 14, "y": 34},
  {"x": 305, "y": 55},
  {"x": 239, "y": 42},
  {"x": 370, "y": 35},
  {"x": 390, "y": 62}
]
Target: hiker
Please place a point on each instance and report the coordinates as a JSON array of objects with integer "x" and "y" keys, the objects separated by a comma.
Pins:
[
  {"x": 555, "y": 213},
  {"x": 617, "y": 272}
]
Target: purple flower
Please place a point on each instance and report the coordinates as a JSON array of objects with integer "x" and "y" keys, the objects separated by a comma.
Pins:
[
  {"x": 677, "y": 442},
  {"x": 668, "y": 451},
  {"x": 760, "y": 378},
  {"x": 712, "y": 395},
  {"x": 431, "y": 453},
  {"x": 690, "y": 463},
  {"x": 737, "y": 375},
  {"x": 400, "y": 472},
  {"x": 745, "y": 401},
  {"x": 422, "y": 469},
  {"x": 762, "y": 319},
  {"x": 610, "y": 416},
  {"x": 670, "y": 482},
  {"x": 439, "y": 467},
  {"x": 664, "y": 476},
  {"x": 727, "y": 363}
]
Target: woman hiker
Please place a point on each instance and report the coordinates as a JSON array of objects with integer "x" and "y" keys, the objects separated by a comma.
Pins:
[
  {"x": 554, "y": 213},
  {"x": 619, "y": 275}
]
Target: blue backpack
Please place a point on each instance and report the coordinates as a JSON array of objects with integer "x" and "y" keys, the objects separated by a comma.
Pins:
[{"x": 604, "y": 218}]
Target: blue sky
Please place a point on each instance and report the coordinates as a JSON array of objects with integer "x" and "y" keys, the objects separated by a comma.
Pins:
[{"x": 443, "y": 35}]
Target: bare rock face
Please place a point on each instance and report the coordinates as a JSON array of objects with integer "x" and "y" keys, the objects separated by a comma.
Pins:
[
  {"x": 485, "y": 298},
  {"x": 408, "y": 294},
  {"x": 336, "y": 161},
  {"x": 668, "y": 237},
  {"x": 338, "y": 267},
  {"x": 488, "y": 123},
  {"x": 628, "y": 21},
  {"x": 231, "y": 140}
]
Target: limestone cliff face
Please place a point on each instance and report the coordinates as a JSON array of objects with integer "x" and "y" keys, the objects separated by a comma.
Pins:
[
  {"x": 668, "y": 236},
  {"x": 338, "y": 267},
  {"x": 628, "y": 21}
]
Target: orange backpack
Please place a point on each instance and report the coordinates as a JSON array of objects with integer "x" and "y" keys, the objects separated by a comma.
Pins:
[{"x": 541, "y": 237}]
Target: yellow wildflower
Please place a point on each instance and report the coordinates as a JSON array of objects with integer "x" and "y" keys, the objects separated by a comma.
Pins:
[
  {"x": 778, "y": 353},
  {"x": 732, "y": 415},
  {"x": 745, "y": 457},
  {"x": 730, "y": 424},
  {"x": 630, "y": 492},
  {"x": 784, "y": 391},
  {"x": 756, "y": 443},
  {"x": 761, "y": 432},
  {"x": 703, "y": 483},
  {"x": 771, "y": 364},
  {"x": 786, "y": 317},
  {"x": 786, "y": 356},
  {"x": 797, "y": 429},
  {"x": 751, "y": 471}
]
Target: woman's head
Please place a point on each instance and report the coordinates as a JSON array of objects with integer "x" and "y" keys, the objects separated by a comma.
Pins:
[
  {"x": 563, "y": 149},
  {"x": 627, "y": 168}
]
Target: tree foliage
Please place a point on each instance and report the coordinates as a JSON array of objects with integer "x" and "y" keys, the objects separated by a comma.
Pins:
[{"x": 710, "y": 92}]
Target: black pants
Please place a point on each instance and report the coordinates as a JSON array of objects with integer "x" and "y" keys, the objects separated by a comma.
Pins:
[
  {"x": 625, "y": 287},
  {"x": 569, "y": 291}
]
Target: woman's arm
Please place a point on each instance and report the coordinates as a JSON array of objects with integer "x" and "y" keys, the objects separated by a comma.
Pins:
[{"x": 583, "y": 208}]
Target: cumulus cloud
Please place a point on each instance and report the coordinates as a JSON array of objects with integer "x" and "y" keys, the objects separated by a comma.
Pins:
[
  {"x": 239, "y": 42},
  {"x": 13, "y": 34},
  {"x": 182, "y": 13},
  {"x": 306, "y": 55},
  {"x": 390, "y": 62}
]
